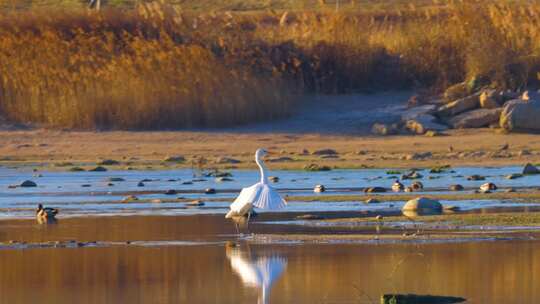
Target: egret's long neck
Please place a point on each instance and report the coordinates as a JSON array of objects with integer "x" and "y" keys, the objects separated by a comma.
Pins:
[{"x": 262, "y": 168}]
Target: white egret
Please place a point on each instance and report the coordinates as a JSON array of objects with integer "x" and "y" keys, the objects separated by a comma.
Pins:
[
  {"x": 260, "y": 195},
  {"x": 257, "y": 272}
]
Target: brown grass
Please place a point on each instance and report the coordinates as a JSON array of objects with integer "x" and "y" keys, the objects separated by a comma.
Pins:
[{"x": 156, "y": 66}]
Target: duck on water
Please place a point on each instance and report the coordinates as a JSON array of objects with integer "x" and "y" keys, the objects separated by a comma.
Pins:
[{"x": 46, "y": 213}]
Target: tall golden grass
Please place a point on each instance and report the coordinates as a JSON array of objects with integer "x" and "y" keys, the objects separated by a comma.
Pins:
[{"x": 157, "y": 66}]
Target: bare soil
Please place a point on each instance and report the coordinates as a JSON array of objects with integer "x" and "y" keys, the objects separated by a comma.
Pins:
[{"x": 339, "y": 123}]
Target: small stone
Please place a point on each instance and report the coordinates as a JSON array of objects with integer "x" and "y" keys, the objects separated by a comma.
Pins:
[
  {"x": 108, "y": 162},
  {"x": 130, "y": 198},
  {"x": 450, "y": 208},
  {"x": 476, "y": 177},
  {"x": 86, "y": 185},
  {"x": 196, "y": 203},
  {"x": 524, "y": 153},
  {"x": 273, "y": 179},
  {"x": 372, "y": 201},
  {"x": 383, "y": 129},
  {"x": 514, "y": 176},
  {"x": 98, "y": 169},
  {"x": 456, "y": 187},
  {"x": 223, "y": 179},
  {"x": 325, "y": 152},
  {"x": 227, "y": 160},
  {"x": 529, "y": 169},
  {"x": 319, "y": 189},
  {"x": 175, "y": 159},
  {"x": 76, "y": 169},
  {"x": 488, "y": 187},
  {"x": 115, "y": 179},
  {"x": 210, "y": 191},
  {"x": 379, "y": 217},
  {"x": 171, "y": 192},
  {"x": 315, "y": 167},
  {"x": 140, "y": 184},
  {"x": 156, "y": 201},
  {"x": 374, "y": 190},
  {"x": 433, "y": 133}
]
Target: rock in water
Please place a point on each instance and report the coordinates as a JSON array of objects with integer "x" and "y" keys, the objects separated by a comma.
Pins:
[
  {"x": 488, "y": 187},
  {"x": 459, "y": 106},
  {"x": 319, "y": 189},
  {"x": 374, "y": 190},
  {"x": 457, "y": 187},
  {"x": 476, "y": 119},
  {"x": 529, "y": 169},
  {"x": 519, "y": 115},
  {"x": 28, "y": 184},
  {"x": 418, "y": 299},
  {"x": 422, "y": 203},
  {"x": 98, "y": 169}
]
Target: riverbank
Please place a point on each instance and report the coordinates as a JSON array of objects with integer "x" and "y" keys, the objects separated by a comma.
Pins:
[{"x": 234, "y": 149}]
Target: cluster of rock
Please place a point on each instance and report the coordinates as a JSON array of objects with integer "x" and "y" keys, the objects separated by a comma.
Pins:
[{"x": 460, "y": 108}]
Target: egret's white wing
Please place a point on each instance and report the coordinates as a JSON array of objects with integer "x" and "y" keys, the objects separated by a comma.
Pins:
[
  {"x": 269, "y": 198},
  {"x": 247, "y": 195}
]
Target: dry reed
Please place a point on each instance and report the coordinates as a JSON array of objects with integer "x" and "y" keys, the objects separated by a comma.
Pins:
[{"x": 156, "y": 66}]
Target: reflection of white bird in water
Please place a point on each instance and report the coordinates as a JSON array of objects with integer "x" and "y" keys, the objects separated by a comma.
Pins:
[
  {"x": 257, "y": 272},
  {"x": 260, "y": 195}
]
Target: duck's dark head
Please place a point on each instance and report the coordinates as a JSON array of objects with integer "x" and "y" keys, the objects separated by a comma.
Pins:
[{"x": 39, "y": 207}]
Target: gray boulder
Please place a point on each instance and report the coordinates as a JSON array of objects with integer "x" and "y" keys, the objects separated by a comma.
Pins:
[
  {"x": 490, "y": 99},
  {"x": 476, "y": 118},
  {"x": 422, "y": 203},
  {"x": 423, "y": 123},
  {"x": 530, "y": 95},
  {"x": 413, "y": 113},
  {"x": 530, "y": 169},
  {"x": 521, "y": 115},
  {"x": 459, "y": 106}
]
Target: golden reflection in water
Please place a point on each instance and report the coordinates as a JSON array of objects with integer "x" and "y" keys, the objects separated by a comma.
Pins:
[
  {"x": 483, "y": 272},
  {"x": 487, "y": 272},
  {"x": 257, "y": 271}
]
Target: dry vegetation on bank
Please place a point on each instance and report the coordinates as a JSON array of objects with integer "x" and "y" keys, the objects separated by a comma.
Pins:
[{"x": 157, "y": 66}]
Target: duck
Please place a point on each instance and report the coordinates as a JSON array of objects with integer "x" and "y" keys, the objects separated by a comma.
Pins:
[
  {"x": 46, "y": 213},
  {"x": 397, "y": 186}
]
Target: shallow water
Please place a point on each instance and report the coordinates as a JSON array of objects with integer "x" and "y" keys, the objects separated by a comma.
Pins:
[
  {"x": 185, "y": 260},
  {"x": 64, "y": 189}
]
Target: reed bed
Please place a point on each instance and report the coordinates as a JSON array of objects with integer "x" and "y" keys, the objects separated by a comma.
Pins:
[{"x": 157, "y": 66}]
